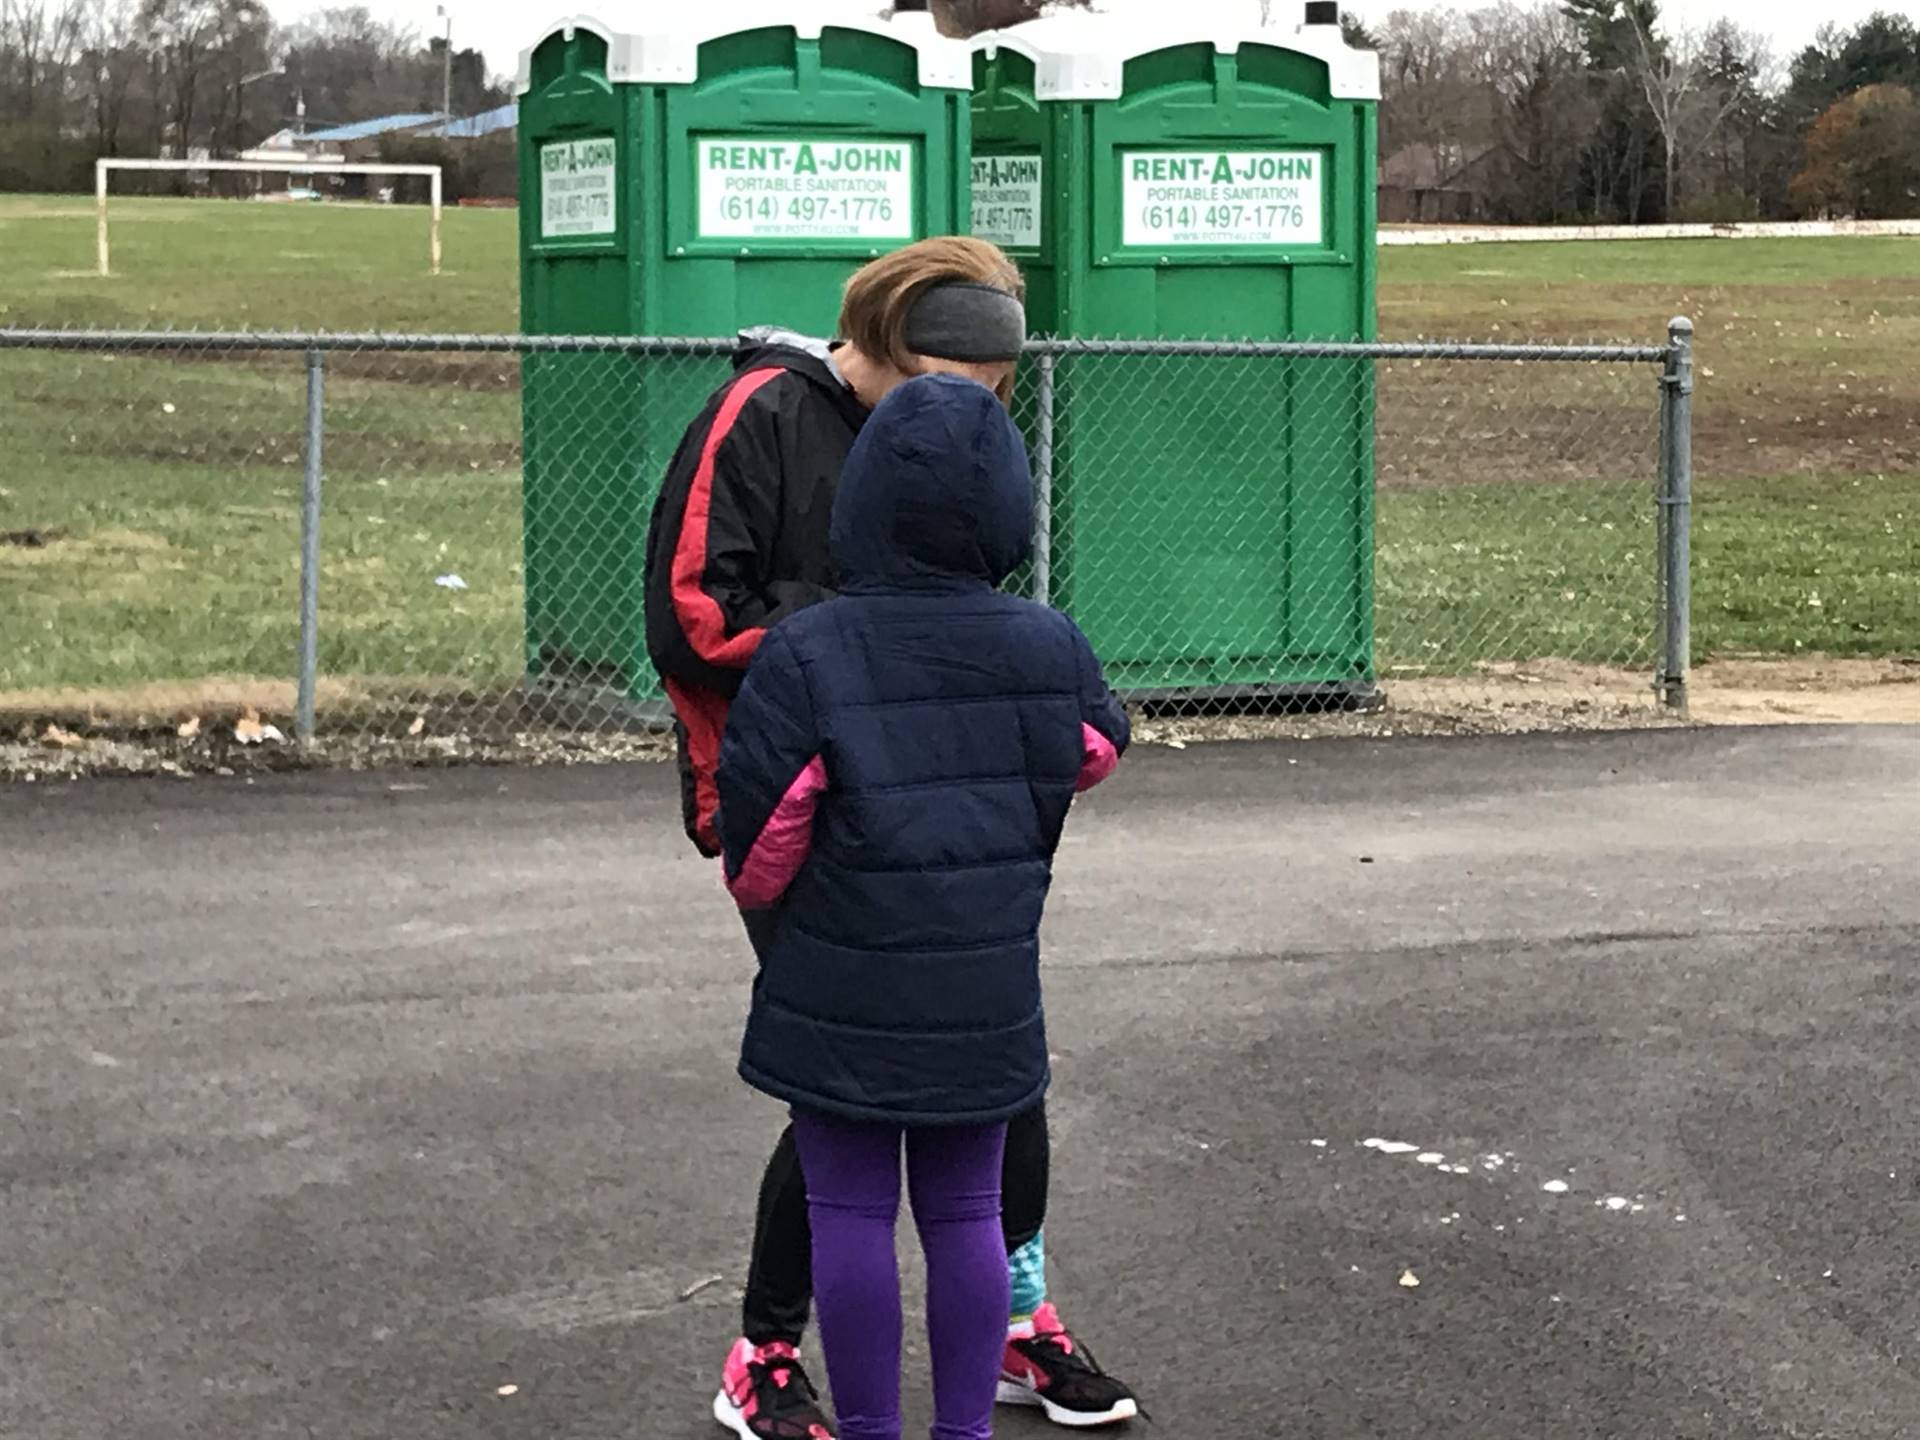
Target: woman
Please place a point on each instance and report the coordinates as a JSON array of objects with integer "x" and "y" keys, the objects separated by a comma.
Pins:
[{"x": 738, "y": 542}]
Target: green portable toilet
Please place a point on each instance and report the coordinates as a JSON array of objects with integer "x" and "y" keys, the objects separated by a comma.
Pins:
[
  {"x": 701, "y": 175},
  {"x": 1212, "y": 518}
]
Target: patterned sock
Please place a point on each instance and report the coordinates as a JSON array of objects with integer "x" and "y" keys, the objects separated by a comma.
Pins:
[{"x": 1027, "y": 1270}]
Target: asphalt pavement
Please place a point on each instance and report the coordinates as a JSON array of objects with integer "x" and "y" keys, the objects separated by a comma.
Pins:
[{"x": 1513, "y": 1089}]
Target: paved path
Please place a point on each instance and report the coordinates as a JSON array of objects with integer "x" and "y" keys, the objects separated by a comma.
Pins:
[{"x": 331, "y": 1104}]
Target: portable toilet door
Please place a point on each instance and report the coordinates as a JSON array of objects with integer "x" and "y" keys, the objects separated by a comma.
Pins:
[
  {"x": 1213, "y": 515},
  {"x": 715, "y": 171}
]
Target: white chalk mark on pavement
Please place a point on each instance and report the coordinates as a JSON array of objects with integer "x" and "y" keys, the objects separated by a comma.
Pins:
[{"x": 1389, "y": 1147}]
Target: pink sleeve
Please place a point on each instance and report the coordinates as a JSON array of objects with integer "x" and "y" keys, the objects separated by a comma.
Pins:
[
  {"x": 1101, "y": 758},
  {"x": 783, "y": 845}
]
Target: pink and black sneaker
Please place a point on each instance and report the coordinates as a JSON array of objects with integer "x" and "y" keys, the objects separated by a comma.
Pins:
[
  {"x": 765, "y": 1395},
  {"x": 1056, "y": 1373}
]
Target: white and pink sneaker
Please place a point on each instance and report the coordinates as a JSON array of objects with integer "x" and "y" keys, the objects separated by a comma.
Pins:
[
  {"x": 765, "y": 1395},
  {"x": 1053, "y": 1371}
]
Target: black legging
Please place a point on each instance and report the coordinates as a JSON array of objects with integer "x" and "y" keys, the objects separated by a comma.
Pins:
[{"x": 780, "y": 1270}]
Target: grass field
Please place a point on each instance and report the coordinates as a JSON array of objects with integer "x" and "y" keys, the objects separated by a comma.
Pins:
[
  {"x": 187, "y": 265},
  {"x": 1515, "y": 514}
]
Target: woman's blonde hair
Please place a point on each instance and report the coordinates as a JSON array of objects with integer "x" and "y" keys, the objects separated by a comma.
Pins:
[{"x": 880, "y": 295}]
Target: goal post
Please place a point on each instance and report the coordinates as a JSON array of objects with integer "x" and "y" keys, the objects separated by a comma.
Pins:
[{"x": 103, "y": 168}]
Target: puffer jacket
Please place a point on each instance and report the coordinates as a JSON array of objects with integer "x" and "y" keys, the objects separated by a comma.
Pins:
[{"x": 893, "y": 781}]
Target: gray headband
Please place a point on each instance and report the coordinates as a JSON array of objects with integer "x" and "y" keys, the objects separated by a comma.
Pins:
[{"x": 967, "y": 321}]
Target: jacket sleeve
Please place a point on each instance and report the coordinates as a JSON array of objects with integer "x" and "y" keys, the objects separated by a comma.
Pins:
[
  {"x": 722, "y": 599},
  {"x": 1105, "y": 730},
  {"x": 772, "y": 776}
]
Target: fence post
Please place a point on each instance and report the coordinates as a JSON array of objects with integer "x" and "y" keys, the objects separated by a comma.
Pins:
[
  {"x": 303, "y": 721},
  {"x": 1676, "y": 514},
  {"x": 1043, "y": 484}
]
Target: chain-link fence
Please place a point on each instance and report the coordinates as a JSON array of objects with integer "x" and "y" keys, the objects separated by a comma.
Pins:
[{"x": 442, "y": 536}]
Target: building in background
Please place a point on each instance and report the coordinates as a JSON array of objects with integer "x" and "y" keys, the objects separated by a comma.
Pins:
[
  {"x": 1436, "y": 185},
  {"x": 498, "y": 121},
  {"x": 361, "y": 140}
]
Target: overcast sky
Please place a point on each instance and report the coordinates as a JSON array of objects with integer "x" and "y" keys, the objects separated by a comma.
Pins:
[{"x": 502, "y": 28}]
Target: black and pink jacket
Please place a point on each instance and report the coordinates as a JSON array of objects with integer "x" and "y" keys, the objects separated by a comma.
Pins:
[
  {"x": 894, "y": 778},
  {"x": 738, "y": 538}
]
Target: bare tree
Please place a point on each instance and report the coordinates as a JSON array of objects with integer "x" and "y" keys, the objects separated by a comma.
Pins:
[
  {"x": 1493, "y": 102},
  {"x": 1428, "y": 96},
  {"x": 1524, "y": 65},
  {"x": 112, "y": 62},
  {"x": 1747, "y": 161},
  {"x": 178, "y": 34},
  {"x": 20, "y": 57},
  {"x": 39, "y": 42},
  {"x": 1687, "y": 103},
  {"x": 202, "y": 49}
]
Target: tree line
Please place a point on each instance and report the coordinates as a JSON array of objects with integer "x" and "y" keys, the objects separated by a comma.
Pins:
[
  {"x": 87, "y": 78},
  {"x": 1524, "y": 111},
  {"x": 1598, "y": 110}
]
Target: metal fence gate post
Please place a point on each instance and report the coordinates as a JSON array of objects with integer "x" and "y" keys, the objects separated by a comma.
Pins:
[
  {"x": 1043, "y": 484},
  {"x": 1676, "y": 514},
  {"x": 303, "y": 721}
]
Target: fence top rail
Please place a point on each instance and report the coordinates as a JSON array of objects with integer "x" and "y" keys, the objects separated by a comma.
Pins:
[
  {"x": 1349, "y": 350},
  {"x": 1054, "y": 346}
]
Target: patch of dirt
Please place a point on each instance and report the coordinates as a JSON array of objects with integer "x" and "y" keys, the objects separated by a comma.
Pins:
[
  {"x": 24, "y": 209},
  {"x": 465, "y": 370},
  {"x": 30, "y": 539},
  {"x": 1502, "y": 699},
  {"x": 120, "y": 554},
  {"x": 217, "y": 728},
  {"x": 1745, "y": 690},
  {"x": 160, "y": 702},
  {"x": 1872, "y": 431},
  {"x": 195, "y": 728},
  {"x": 32, "y": 759},
  {"x": 1810, "y": 691},
  {"x": 1444, "y": 423}
]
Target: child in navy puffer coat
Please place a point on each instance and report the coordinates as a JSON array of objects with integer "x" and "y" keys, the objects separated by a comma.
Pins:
[{"x": 893, "y": 782}]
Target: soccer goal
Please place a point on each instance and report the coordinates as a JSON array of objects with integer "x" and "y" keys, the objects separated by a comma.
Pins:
[{"x": 102, "y": 169}]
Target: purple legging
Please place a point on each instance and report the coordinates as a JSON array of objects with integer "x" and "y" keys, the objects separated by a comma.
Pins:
[{"x": 852, "y": 1171}]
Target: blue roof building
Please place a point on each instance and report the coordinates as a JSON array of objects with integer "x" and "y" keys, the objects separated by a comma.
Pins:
[
  {"x": 473, "y": 127},
  {"x": 367, "y": 129}
]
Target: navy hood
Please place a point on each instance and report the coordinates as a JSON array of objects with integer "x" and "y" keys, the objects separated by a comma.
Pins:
[{"x": 936, "y": 490}]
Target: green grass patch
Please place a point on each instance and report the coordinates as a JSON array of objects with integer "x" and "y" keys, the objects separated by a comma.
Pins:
[
  {"x": 170, "y": 569},
  {"x": 1827, "y": 565},
  {"x": 184, "y": 264},
  {"x": 1684, "y": 264},
  {"x": 165, "y": 495},
  {"x": 179, "y": 572},
  {"x": 1472, "y": 573},
  {"x": 241, "y": 265},
  {"x": 166, "y": 490},
  {"x": 1782, "y": 565}
]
